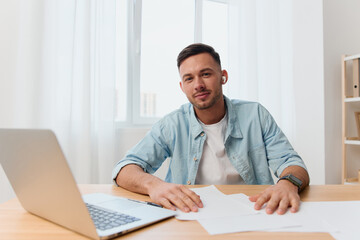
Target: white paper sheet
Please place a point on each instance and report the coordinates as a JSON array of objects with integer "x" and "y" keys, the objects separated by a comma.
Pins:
[
  {"x": 343, "y": 217},
  {"x": 339, "y": 218},
  {"x": 306, "y": 221},
  {"x": 257, "y": 222},
  {"x": 235, "y": 213},
  {"x": 216, "y": 205},
  {"x": 303, "y": 221}
]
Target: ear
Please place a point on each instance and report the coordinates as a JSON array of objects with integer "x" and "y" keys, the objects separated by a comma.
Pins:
[
  {"x": 224, "y": 77},
  {"x": 181, "y": 86}
]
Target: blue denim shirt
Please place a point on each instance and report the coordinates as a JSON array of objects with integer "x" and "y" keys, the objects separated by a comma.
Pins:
[{"x": 253, "y": 143}]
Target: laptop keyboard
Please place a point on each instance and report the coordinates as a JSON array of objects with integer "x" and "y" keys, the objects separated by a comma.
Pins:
[{"x": 106, "y": 219}]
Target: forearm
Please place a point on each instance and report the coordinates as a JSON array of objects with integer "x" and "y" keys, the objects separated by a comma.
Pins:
[
  {"x": 133, "y": 178},
  {"x": 169, "y": 195},
  {"x": 298, "y": 172}
]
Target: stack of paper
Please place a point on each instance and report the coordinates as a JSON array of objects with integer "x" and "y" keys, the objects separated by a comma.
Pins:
[
  {"x": 235, "y": 213},
  {"x": 216, "y": 205}
]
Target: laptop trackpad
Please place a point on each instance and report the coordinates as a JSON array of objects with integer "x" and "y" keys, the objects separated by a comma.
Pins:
[
  {"x": 110, "y": 202},
  {"x": 120, "y": 205}
]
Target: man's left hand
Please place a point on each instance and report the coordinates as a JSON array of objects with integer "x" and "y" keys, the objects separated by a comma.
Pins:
[{"x": 280, "y": 196}]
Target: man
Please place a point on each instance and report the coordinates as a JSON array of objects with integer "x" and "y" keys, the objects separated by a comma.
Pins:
[{"x": 213, "y": 140}]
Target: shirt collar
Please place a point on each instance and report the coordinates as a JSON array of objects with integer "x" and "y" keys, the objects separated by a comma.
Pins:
[
  {"x": 196, "y": 128},
  {"x": 233, "y": 128},
  {"x": 233, "y": 122}
]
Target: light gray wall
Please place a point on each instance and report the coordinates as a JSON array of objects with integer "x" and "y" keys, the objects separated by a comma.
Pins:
[
  {"x": 8, "y": 39},
  {"x": 309, "y": 86},
  {"x": 341, "y": 36}
]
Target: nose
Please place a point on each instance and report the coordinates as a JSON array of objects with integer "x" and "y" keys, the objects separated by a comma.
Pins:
[{"x": 199, "y": 84}]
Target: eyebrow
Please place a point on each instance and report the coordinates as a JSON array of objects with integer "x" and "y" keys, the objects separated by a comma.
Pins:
[
  {"x": 206, "y": 69},
  {"x": 201, "y": 71},
  {"x": 185, "y": 75}
]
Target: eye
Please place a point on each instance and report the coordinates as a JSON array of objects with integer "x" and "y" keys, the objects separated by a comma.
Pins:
[
  {"x": 187, "y": 79},
  {"x": 206, "y": 74}
]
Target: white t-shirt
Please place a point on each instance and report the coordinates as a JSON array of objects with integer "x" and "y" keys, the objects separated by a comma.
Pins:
[{"x": 215, "y": 166}]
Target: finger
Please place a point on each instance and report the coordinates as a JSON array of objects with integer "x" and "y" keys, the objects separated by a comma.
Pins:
[
  {"x": 166, "y": 204},
  {"x": 295, "y": 205},
  {"x": 262, "y": 199},
  {"x": 177, "y": 200},
  {"x": 188, "y": 202},
  {"x": 193, "y": 196},
  {"x": 272, "y": 204},
  {"x": 254, "y": 198},
  {"x": 283, "y": 206}
]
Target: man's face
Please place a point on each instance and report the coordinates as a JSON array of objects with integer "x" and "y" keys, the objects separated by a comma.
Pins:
[{"x": 201, "y": 80}]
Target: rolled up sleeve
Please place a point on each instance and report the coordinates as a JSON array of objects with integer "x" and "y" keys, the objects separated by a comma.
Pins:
[
  {"x": 149, "y": 153},
  {"x": 280, "y": 153}
]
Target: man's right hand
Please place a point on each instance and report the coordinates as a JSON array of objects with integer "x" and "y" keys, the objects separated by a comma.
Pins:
[
  {"x": 168, "y": 195},
  {"x": 171, "y": 195}
]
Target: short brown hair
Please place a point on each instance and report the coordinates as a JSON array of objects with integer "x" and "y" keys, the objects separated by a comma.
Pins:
[{"x": 197, "y": 48}]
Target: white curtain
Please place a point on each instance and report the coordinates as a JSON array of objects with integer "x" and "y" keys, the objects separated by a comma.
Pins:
[
  {"x": 61, "y": 76},
  {"x": 260, "y": 64}
]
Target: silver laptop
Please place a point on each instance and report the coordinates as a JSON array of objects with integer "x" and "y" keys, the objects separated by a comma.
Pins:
[{"x": 42, "y": 180}]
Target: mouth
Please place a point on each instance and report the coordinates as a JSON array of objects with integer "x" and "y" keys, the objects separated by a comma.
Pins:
[{"x": 202, "y": 95}]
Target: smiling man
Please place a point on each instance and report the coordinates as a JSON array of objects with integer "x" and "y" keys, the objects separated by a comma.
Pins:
[{"x": 213, "y": 140}]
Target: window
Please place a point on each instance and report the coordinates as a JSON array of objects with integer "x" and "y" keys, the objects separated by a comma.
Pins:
[
  {"x": 121, "y": 60},
  {"x": 215, "y": 29},
  {"x": 167, "y": 26},
  {"x": 151, "y": 33}
]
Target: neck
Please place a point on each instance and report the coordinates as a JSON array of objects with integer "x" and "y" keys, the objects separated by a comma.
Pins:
[{"x": 212, "y": 115}]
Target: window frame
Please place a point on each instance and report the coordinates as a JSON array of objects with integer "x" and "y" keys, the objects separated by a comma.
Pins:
[{"x": 134, "y": 18}]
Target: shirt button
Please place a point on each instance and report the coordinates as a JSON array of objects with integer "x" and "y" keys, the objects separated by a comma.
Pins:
[
  {"x": 195, "y": 158},
  {"x": 189, "y": 182}
]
